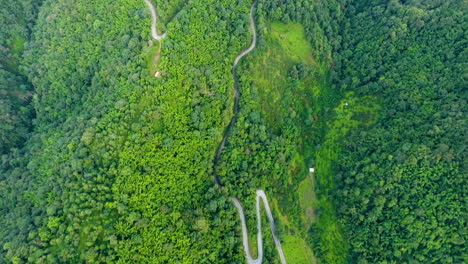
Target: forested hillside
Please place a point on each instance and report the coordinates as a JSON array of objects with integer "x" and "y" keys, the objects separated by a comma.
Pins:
[
  {"x": 402, "y": 183},
  {"x": 117, "y": 167},
  {"x": 16, "y": 113},
  {"x": 286, "y": 92},
  {"x": 108, "y": 137}
]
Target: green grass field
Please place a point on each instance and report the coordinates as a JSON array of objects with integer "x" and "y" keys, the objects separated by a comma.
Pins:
[
  {"x": 296, "y": 251},
  {"x": 308, "y": 201},
  {"x": 152, "y": 57},
  {"x": 286, "y": 47},
  {"x": 292, "y": 40}
]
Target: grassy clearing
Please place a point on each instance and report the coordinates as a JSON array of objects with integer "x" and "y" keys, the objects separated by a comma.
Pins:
[
  {"x": 324, "y": 119},
  {"x": 287, "y": 47},
  {"x": 17, "y": 46},
  {"x": 292, "y": 40},
  {"x": 296, "y": 251},
  {"x": 152, "y": 56},
  {"x": 308, "y": 201},
  {"x": 282, "y": 98}
]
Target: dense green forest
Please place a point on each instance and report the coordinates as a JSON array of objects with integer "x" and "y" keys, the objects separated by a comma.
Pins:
[
  {"x": 101, "y": 162},
  {"x": 16, "y": 112},
  {"x": 402, "y": 182}
]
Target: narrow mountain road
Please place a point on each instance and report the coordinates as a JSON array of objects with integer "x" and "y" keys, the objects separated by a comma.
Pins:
[
  {"x": 236, "y": 100},
  {"x": 254, "y": 39},
  {"x": 245, "y": 235},
  {"x": 260, "y": 193},
  {"x": 154, "y": 18}
]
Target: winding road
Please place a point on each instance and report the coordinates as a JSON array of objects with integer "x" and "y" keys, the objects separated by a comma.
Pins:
[
  {"x": 154, "y": 32},
  {"x": 236, "y": 100},
  {"x": 260, "y": 193},
  {"x": 245, "y": 236},
  {"x": 254, "y": 39}
]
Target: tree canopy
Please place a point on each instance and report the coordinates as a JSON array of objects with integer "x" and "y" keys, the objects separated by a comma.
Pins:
[{"x": 102, "y": 162}]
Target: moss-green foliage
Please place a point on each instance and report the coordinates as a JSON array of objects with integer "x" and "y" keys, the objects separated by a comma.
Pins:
[
  {"x": 297, "y": 251},
  {"x": 307, "y": 200}
]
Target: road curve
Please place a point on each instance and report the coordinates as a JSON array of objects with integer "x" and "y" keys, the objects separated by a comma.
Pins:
[
  {"x": 154, "y": 32},
  {"x": 245, "y": 236},
  {"x": 254, "y": 39}
]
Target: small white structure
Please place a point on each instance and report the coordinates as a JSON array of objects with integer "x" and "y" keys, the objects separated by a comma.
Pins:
[
  {"x": 312, "y": 170},
  {"x": 157, "y": 74},
  {"x": 346, "y": 104}
]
